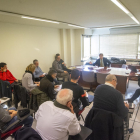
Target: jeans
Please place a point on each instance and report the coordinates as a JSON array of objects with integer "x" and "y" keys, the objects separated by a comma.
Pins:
[{"x": 27, "y": 122}]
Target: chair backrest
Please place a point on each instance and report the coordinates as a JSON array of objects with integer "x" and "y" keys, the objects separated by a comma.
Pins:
[
  {"x": 101, "y": 78},
  {"x": 88, "y": 76},
  {"x": 110, "y": 124}
]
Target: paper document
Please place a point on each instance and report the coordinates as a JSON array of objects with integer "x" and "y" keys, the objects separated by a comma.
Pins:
[{"x": 58, "y": 88}]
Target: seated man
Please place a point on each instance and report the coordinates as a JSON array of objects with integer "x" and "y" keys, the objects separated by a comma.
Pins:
[
  {"x": 102, "y": 61},
  {"x": 7, "y": 117},
  {"x": 6, "y": 75},
  {"x": 56, "y": 120},
  {"x": 58, "y": 67},
  {"x": 106, "y": 97},
  {"x": 78, "y": 92},
  {"x": 46, "y": 84},
  {"x": 63, "y": 64},
  {"x": 38, "y": 74}
]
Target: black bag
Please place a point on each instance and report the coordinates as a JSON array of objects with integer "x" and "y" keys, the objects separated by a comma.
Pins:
[{"x": 23, "y": 112}]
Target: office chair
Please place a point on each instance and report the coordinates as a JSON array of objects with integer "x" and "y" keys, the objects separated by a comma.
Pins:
[
  {"x": 101, "y": 78},
  {"x": 89, "y": 76}
]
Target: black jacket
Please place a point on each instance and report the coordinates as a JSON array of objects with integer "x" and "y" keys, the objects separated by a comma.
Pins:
[
  {"x": 5, "y": 89},
  {"x": 47, "y": 86},
  {"x": 105, "y": 60},
  {"x": 27, "y": 133},
  {"x": 105, "y": 125},
  {"x": 110, "y": 99},
  {"x": 21, "y": 94}
]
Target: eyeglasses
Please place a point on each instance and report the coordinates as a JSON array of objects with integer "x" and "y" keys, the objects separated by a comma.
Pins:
[{"x": 115, "y": 80}]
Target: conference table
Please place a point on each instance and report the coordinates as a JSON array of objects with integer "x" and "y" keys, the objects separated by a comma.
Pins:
[{"x": 122, "y": 75}]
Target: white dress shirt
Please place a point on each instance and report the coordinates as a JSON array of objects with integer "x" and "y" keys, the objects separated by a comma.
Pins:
[
  {"x": 54, "y": 123},
  {"x": 106, "y": 83}
]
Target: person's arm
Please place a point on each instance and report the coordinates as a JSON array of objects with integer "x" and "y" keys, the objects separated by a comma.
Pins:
[
  {"x": 11, "y": 77},
  {"x": 74, "y": 126},
  {"x": 3, "y": 76},
  {"x": 30, "y": 82},
  {"x": 55, "y": 65},
  {"x": 121, "y": 108},
  {"x": 5, "y": 116},
  {"x": 51, "y": 91},
  {"x": 83, "y": 98},
  {"x": 37, "y": 114},
  {"x": 108, "y": 62},
  {"x": 94, "y": 64}
]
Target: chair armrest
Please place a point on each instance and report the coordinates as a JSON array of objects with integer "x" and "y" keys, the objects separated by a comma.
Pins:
[{"x": 10, "y": 126}]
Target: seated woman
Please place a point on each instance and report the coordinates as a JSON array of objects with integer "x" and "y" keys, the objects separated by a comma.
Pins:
[{"x": 28, "y": 78}]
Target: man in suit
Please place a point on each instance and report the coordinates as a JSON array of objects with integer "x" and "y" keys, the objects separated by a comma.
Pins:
[{"x": 102, "y": 61}]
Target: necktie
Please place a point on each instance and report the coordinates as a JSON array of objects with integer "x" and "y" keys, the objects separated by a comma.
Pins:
[{"x": 101, "y": 65}]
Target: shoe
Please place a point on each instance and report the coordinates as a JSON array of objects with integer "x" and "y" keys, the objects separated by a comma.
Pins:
[{"x": 130, "y": 131}]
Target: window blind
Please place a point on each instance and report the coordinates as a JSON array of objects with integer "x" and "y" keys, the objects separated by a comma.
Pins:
[
  {"x": 95, "y": 48},
  {"x": 122, "y": 46}
]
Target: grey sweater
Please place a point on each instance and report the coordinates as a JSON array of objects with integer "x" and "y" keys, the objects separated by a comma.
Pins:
[
  {"x": 27, "y": 81},
  {"x": 57, "y": 66},
  {"x": 4, "y": 116}
]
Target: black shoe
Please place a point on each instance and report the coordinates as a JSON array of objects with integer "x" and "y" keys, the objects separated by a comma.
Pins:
[{"x": 130, "y": 131}]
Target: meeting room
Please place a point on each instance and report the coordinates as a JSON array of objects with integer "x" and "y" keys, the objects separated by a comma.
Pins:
[{"x": 69, "y": 70}]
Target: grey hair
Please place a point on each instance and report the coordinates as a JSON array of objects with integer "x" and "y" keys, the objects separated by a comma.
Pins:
[
  {"x": 64, "y": 96},
  {"x": 110, "y": 78}
]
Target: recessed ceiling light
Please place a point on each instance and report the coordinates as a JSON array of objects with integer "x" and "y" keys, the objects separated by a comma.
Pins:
[
  {"x": 40, "y": 19},
  {"x": 77, "y": 26},
  {"x": 122, "y": 7}
]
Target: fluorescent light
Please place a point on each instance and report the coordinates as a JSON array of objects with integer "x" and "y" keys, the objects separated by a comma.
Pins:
[
  {"x": 77, "y": 26},
  {"x": 135, "y": 20},
  {"x": 121, "y": 6},
  {"x": 40, "y": 19}
]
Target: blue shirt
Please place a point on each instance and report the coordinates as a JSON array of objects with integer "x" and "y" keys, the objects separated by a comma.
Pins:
[{"x": 38, "y": 72}]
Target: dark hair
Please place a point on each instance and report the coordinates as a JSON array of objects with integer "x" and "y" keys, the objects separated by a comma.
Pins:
[
  {"x": 2, "y": 64},
  {"x": 75, "y": 74},
  {"x": 133, "y": 69},
  {"x": 57, "y": 55},
  {"x": 101, "y": 54},
  {"x": 52, "y": 71},
  {"x": 34, "y": 61}
]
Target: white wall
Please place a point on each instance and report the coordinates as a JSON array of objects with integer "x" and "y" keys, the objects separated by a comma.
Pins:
[{"x": 21, "y": 44}]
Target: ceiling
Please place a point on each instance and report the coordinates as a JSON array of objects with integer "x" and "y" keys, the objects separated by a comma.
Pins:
[{"x": 87, "y": 13}]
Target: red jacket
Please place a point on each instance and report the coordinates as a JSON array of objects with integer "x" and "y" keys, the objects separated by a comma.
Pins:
[{"x": 7, "y": 76}]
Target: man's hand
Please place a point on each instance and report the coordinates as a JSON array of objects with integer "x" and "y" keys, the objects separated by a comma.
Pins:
[
  {"x": 42, "y": 75},
  {"x": 90, "y": 62},
  {"x": 70, "y": 106},
  {"x": 126, "y": 104},
  {"x": 65, "y": 72},
  {"x": 11, "y": 111},
  {"x": 14, "y": 113},
  {"x": 38, "y": 84},
  {"x": 16, "y": 80},
  {"x": 56, "y": 86}
]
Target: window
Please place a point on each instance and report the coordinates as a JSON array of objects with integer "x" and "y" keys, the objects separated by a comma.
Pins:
[
  {"x": 120, "y": 46},
  {"x": 86, "y": 47}
]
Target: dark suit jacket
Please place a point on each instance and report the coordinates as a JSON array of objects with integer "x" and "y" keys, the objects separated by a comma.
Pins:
[
  {"x": 105, "y": 60},
  {"x": 105, "y": 125}
]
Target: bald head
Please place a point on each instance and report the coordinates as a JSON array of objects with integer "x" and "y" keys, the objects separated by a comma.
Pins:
[
  {"x": 64, "y": 96},
  {"x": 111, "y": 79}
]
